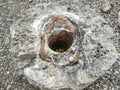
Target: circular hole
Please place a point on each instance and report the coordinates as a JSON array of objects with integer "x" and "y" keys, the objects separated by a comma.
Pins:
[{"x": 61, "y": 42}]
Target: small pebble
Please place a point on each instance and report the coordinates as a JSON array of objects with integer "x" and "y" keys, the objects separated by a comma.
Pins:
[
  {"x": 30, "y": 1},
  {"x": 8, "y": 87},
  {"x": 106, "y": 7}
]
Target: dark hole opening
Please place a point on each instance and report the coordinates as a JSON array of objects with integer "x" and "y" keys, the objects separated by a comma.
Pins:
[{"x": 61, "y": 41}]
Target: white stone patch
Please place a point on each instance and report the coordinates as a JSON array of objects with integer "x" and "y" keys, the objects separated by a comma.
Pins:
[{"x": 94, "y": 43}]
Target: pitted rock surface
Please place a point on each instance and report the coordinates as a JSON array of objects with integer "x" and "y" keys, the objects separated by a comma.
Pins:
[{"x": 94, "y": 42}]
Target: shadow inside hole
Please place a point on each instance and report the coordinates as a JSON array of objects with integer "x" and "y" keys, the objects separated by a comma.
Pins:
[{"x": 61, "y": 42}]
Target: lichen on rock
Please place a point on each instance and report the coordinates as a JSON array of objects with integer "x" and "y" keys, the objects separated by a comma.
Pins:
[{"x": 70, "y": 48}]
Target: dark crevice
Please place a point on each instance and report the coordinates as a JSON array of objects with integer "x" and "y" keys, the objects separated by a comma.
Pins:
[{"x": 61, "y": 42}]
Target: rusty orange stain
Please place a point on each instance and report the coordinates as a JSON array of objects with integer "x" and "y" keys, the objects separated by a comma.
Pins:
[
  {"x": 42, "y": 52},
  {"x": 58, "y": 21}
]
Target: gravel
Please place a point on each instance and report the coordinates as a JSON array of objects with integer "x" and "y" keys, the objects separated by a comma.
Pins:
[{"x": 11, "y": 77}]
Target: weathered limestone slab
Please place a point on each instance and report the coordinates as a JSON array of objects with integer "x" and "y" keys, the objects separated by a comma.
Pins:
[{"x": 62, "y": 46}]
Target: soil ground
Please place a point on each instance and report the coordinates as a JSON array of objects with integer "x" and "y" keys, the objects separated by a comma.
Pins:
[{"x": 10, "y": 75}]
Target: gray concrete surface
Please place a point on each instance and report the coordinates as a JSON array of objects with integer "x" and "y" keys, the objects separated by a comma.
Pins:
[{"x": 10, "y": 75}]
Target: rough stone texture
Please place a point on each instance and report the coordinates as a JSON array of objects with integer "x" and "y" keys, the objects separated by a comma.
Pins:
[
  {"x": 94, "y": 42},
  {"x": 119, "y": 18},
  {"x": 10, "y": 75}
]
